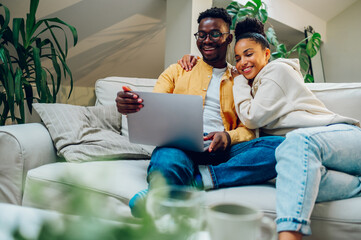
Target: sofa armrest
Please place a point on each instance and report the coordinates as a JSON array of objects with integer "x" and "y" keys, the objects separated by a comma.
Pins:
[{"x": 22, "y": 147}]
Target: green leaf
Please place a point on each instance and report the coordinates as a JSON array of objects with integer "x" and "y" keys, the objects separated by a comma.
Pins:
[
  {"x": 71, "y": 28},
  {"x": 276, "y": 55},
  {"x": 30, "y": 17},
  {"x": 281, "y": 48},
  {"x": 252, "y": 6},
  {"x": 308, "y": 78},
  {"x": 45, "y": 96},
  {"x": 10, "y": 93},
  {"x": 271, "y": 36},
  {"x": 18, "y": 86},
  {"x": 16, "y": 30},
  {"x": 38, "y": 68},
  {"x": 233, "y": 8},
  {"x": 313, "y": 45},
  {"x": 6, "y": 21},
  {"x": 303, "y": 57},
  {"x": 263, "y": 15},
  {"x": 258, "y": 3},
  {"x": 66, "y": 69},
  {"x": 56, "y": 66},
  {"x": 28, "y": 94}
]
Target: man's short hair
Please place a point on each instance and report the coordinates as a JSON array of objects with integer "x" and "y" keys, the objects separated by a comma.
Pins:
[{"x": 216, "y": 12}]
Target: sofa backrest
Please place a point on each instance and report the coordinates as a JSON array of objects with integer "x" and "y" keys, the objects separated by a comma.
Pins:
[{"x": 341, "y": 98}]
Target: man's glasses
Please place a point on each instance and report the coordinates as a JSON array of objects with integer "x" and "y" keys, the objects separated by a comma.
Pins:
[{"x": 214, "y": 35}]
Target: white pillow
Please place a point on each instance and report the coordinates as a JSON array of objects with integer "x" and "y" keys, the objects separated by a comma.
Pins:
[{"x": 87, "y": 133}]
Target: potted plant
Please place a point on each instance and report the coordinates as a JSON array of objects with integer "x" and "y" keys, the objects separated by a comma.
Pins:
[
  {"x": 23, "y": 47},
  {"x": 306, "y": 48}
]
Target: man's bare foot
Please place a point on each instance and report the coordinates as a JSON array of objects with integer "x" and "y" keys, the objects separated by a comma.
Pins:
[{"x": 289, "y": 236}]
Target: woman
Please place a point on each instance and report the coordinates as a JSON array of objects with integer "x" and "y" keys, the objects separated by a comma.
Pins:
[{"x": 320, "y": 161}]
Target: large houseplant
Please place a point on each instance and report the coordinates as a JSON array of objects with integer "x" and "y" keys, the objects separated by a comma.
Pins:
[
  {"x": 306, "y": 48},
  {"x": 23, "y": 48}
]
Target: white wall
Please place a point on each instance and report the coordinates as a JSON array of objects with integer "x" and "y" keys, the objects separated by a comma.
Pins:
[
  {"x": 181, "y": 25},
  {"x": 341, "y": 54}
]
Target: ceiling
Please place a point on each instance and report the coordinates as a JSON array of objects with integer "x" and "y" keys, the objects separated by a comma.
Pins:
[{"x": 324, "y": 9}]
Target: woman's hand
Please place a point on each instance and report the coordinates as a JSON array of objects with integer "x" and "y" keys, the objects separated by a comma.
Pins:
[
  {"x": 234, "y": 72},
  {"x": 220, "y": 141},
  {"x": 128, "y": 102},
  {"x": 188, "y": 61}
]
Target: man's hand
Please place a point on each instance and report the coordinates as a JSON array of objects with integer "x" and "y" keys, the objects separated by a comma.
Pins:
[
  {"x": 220, "y": 141},
  {"x": 188, "y": 61},
  {"x": 128, "y": 102}
]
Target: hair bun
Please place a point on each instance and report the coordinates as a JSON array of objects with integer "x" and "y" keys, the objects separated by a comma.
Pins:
[{"x": 249, "y": 25}]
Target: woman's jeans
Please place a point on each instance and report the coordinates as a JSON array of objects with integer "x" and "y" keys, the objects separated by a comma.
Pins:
[
  {"x": 314, "y": 165},
  {"x": 244, "y": 163}
]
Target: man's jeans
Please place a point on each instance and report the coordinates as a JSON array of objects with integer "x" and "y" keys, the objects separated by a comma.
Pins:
[
  {"x": 244, "y": 163},
  {"x": 314, "y": 165}
]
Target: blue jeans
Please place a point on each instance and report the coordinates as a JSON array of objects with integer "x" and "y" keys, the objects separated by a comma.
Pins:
[
  {"x": 244, "y": 163},
  {"x": 314, "y": 165}
]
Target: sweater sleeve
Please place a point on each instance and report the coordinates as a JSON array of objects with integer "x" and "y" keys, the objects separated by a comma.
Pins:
[{"x": 268, "y": 104}]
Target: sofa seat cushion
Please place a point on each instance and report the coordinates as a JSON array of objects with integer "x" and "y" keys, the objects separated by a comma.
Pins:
[
  {"x": 112, "y": 184},
  {"x": 109, "y": 184}
]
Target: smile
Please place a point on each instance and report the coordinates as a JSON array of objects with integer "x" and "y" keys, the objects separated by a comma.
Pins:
[
  {"x": 208, "y": 48},
  {"x": 247, "y": 70}
]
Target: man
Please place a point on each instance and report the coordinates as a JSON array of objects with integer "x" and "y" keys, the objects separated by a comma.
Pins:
[{"x": 234, "y": 156}]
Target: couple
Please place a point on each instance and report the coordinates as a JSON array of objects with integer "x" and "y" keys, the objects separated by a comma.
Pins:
[{"x": 317, "y": 163}]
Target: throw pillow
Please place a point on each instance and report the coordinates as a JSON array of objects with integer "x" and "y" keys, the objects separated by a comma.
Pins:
[{"x": 87, "y": 133}]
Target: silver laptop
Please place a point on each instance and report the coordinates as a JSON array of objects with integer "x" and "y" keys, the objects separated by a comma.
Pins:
[{"x": 168, "y": 120}]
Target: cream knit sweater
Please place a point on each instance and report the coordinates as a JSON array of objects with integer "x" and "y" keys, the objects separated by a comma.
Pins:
[{"x": 279, "y": 101}]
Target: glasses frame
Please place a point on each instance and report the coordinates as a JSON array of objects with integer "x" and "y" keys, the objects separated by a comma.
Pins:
[{"x": 196, "y": 35}]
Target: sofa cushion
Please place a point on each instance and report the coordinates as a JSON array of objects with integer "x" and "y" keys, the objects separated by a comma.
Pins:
[
  {"x": 110, "y": 184},
  {"x": 114, "y": 183},
  {"x": 87, "y": 133},
  {"x": 106, "y": 90}
]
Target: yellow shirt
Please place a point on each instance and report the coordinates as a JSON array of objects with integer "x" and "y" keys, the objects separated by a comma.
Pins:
[{"x": 176, "y": 80}]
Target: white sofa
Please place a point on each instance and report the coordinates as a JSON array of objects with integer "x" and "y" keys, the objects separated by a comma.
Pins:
[{"x": 28, "y": 161}]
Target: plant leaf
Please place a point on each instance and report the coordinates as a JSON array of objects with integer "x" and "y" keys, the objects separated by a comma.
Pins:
[
  {"x": 71, "y": 28},
  {"x": 251, "y": 6},
  {"x": 30, "y": 17},
  {"x": 271, "y": 36},
  {"x": 258, "y": 3},
  {"x": 233, "y": 8},
  {"x": 16, "y": 30},
  {"x": 276, "y": 55},
  {"x": 56, "y": 68},
  {"x": 10, "y": 94},
  {"x": 281, "y": 48},
  {"x": 28, "y": 94},
  {"x": 37, "y": 68},
  {"x": 263, "y": 15},
  {"x": 18, "y": 86},
  {"x": 313, "y": 44},
  {"x": 6, "y": 20},
  {"x": 308, "y": 78},
  {"x": 303, "y": 57}
]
